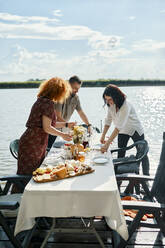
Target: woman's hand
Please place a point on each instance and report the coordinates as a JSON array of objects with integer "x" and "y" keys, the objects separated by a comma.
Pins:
[
  {"x": 66, "y": 136},
  {"x": 71, "y": 124},
  {"x": 104, "y": 148},
  {"x": 102, "y": 140}
]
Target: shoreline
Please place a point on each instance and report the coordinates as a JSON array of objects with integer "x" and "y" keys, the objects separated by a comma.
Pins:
[{"x": 86, "y": 83}]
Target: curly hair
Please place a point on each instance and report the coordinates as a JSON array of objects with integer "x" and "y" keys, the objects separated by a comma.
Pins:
[
  {"x": 56, "y": 89},
  {"x": 117, "y": 95}
]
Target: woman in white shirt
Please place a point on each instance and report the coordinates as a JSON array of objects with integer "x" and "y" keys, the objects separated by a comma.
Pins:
[{"x": 127, "y": 125}]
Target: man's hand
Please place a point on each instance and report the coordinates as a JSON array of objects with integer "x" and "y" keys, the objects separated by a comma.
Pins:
[
  {"x": 89, "y": 130},
  {"x": 72, "y": 124},
  {"x": 66, "y": 137}
]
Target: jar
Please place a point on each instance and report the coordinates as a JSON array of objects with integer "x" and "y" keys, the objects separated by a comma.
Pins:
[
  {"x": 81, "y": 156},
  {"x": 67, "y": 151},
  {"x": 86, "y": 141}
]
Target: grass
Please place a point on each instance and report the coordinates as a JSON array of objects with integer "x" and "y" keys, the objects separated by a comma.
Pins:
[{"x": 89, "y": 83}]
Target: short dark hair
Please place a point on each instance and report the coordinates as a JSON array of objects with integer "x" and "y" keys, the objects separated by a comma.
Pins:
[
  {"x": 75, "y": 79},
  {"x": 117, "y": 95}
]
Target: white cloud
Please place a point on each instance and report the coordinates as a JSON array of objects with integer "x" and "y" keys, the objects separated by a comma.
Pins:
[
  {"x": 35, "y": 64},
  {"x": 41, "y": 30},
  {"x": 100, "y": 41},
  {"x": 109, "y": 56},
  {"x": 44, "y": 31},
  {"x": 46, "y": 63},
  {"x": 131, "y": 18},
  {"x": 148, "y": 45},
  {"x": 25, "y": 64},
  {"x": 25, "y": 19},
  {"x": 162, "y": 11},
  {"x": 57, "y": 12},
  {"x": 30, "y": 63},
  {"x": 25, "y": 28}
]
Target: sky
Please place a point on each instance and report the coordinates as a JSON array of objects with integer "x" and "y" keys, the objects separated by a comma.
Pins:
[{"x": 94, "y": 39}]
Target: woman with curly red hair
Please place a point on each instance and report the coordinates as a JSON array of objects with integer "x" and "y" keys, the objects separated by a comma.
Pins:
[
  {"x": 41, "y": 122},
  {"x": 126, "y": 122}
]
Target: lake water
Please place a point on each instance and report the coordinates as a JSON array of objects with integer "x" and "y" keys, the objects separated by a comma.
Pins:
[{"x": 149, "y": 103}]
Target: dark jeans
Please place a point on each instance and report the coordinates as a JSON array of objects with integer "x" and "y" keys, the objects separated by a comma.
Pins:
[
  {"x": 123, "y": 141},
  {"x": 51, "y": 140}
]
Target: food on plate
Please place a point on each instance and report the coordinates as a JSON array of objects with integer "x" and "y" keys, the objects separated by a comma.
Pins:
[
  {"x": 61, "y": 173},
  {"x": 39, "y": 171},
  {"x": 72, "y": 173},
  {"x": 48, "y": 170},
  {"x": 70, "y": 167}
]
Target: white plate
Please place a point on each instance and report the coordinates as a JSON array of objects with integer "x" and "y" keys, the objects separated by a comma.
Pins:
[{"x": 100, "y": 160}]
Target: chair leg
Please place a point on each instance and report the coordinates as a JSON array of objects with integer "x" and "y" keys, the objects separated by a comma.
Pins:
[
  {"x": 137, "y": 189},
  {"x": 160, "y": 222},
  {"x": 9, "y": 233},
  {"x": 131, "y": 229},
  {"x": 135, "y": 223},
  {"x": 129, "y": 188},
  {"x": 147, "y": 195}
]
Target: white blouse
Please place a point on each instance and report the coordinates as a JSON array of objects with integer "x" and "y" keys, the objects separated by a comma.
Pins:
[{"x": 125, "y": 119}]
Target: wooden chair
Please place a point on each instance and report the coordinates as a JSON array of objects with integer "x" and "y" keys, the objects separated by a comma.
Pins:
[{"x": 156, "y": 205}]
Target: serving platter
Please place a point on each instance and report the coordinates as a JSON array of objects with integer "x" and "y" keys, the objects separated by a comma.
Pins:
[{"x": 49, "y": 177}]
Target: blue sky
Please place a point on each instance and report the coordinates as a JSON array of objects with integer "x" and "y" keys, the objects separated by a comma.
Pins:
[{"x": 90, "y": 38}]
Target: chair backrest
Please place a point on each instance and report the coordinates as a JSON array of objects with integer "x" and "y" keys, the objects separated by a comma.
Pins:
[
  {"x": 14, "y": 145},
  {"x": 131, "y": 163},
  {"x": 158, "y": 187},
  {"x": 142, "y": 149}
]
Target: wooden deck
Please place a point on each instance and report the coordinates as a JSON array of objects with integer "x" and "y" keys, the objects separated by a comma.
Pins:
[{"x": 144, "y": 237}]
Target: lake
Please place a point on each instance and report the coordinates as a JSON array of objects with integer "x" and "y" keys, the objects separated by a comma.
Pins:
[{"x": 149, "y": 103}]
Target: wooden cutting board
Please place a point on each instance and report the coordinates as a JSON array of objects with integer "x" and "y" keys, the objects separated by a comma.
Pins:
[{"x": 46, "y": 177}]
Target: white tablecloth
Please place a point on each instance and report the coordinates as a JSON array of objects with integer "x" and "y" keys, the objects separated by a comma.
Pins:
[{"x": 95, "y": 194}]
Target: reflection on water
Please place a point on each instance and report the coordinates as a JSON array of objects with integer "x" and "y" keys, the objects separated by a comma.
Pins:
[{"x": 16, "y": 104}]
